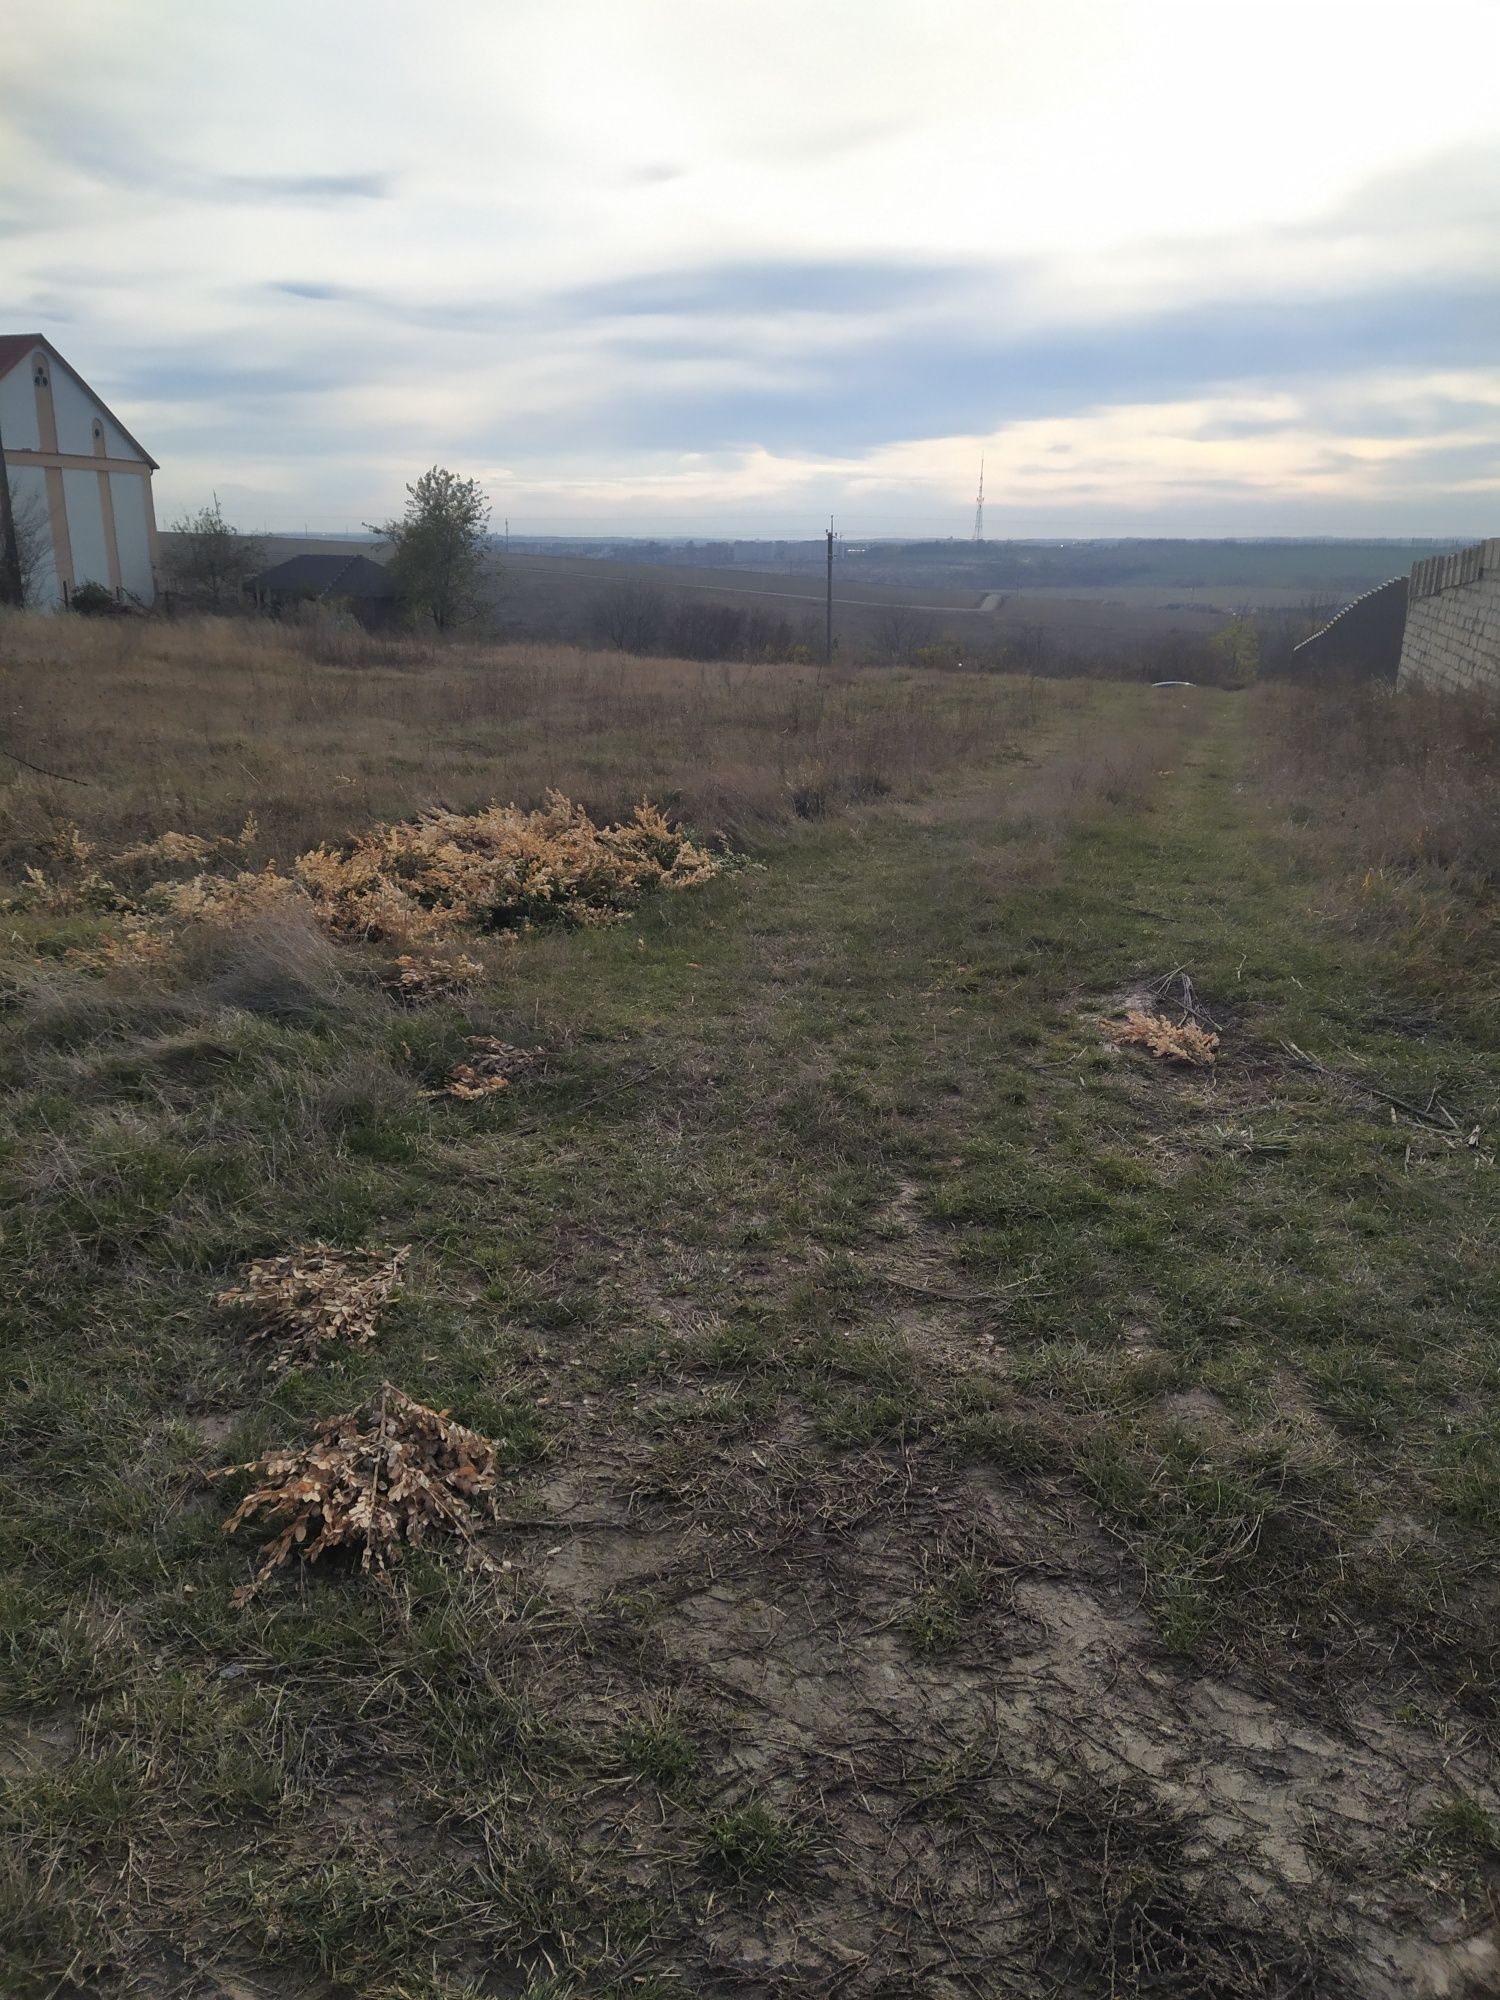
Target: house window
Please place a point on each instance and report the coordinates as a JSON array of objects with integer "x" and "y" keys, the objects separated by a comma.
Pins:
[{"x": 39, "y": 373}]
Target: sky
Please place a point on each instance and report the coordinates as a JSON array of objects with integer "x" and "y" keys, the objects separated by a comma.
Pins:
[{"x": 727, "y": 267}]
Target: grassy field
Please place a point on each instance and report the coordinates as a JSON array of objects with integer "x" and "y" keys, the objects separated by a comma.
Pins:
[
  {"x": 194, "y": 725},
  {"x": 982, "y": 1510}
]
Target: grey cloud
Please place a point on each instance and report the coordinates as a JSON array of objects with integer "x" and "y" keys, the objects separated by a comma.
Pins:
[
  {"x": 1454, "y": 462},
  {"x": 200, "y": 374},
  {"x": 296, "y": 187},
  {"x": 1417, "y": 417},
  {"x": 826, "y": 286},
  {"x": 387, "y": 309},
  {"x": 105, "y": 151}
]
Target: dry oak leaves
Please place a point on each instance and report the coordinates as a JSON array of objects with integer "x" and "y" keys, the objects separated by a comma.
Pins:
[
  {"x": 313, "y": 1295},
  {"x": 489, "y": 1069},
  {"x": 382, "y": 1475}
]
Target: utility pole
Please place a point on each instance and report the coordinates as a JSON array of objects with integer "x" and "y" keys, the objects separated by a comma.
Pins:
[
  {"x": 11, "y": 591},
  {"x": 828, "y": 621}
]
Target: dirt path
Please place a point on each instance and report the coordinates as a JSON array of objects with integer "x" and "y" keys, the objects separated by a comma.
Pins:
[{"x": 834, "y": 1521}]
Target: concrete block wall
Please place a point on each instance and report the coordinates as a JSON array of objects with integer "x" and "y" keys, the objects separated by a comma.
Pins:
[{"x": 1452, "y": 637}]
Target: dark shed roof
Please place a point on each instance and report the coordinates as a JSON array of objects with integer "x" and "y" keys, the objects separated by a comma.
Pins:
[{"x": 325, "y": 576}]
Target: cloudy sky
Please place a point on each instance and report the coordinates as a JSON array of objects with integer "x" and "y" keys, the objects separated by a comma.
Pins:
[{"x": 714, "y": 266}]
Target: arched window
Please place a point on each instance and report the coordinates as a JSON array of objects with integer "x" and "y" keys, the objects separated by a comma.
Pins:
[{"x": 39, "y": 372}]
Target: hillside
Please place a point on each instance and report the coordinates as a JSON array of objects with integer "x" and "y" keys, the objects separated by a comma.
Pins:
[{"x": 981, "y": 1301}]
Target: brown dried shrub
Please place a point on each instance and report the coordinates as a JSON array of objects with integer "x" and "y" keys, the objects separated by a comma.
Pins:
[
  {"x": 313, "y": 1295},
  {"x": 499, "y": 869},
  {"x": 224, "y": 900},
  {"x": 1177, "y": 1041},
  {"x": 139, "y": 943},
  {"x": 372, "y": 1479},
  {"x": 172, "y": 848}
]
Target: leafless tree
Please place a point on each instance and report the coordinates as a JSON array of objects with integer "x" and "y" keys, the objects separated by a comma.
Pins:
[
  {"x": 210, "y": 560},
  {"x": 630, "y": 618},
  {"x": 33, "y": 527},
  {"x": 901, "y": 632}
]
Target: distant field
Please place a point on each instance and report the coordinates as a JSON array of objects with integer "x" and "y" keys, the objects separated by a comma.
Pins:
[
  {"x": 1240, "y": 570},
  {"x": 965, "y": 599},
  {"x": 559, "y": 597}
]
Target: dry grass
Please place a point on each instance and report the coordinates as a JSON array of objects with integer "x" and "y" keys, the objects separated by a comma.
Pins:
[
  {"x": 937, "y": 1513},
  {"x": 194, "y": 726},
  {"x": 1407, "y": 778}
]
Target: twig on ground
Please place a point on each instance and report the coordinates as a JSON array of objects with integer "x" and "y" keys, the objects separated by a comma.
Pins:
[
  {"x": 41, "y": 769},
  {"x": 1441, "y": 1121},
  {"x": 588, "y": 1103},
  {"x": 1188, "y": 1002},
  {"x": 953, "y": 1298}
]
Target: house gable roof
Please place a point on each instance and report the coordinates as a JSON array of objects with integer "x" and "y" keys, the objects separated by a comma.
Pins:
[
  {"x": 327, "y": 576},
  {"x": 16, "y": 347}
]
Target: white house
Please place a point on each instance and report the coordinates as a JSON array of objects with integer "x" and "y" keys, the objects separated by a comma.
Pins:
[{"x": 80, "y": 484}]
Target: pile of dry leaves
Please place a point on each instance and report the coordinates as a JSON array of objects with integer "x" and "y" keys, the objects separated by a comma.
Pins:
[
  {"x": 315, "y": 1294},
  {"x": 386, "y": 1474},
  {"x": 489, "y": 1069},
  {"x": 416, "y": 980},
  {"x": 1177, "y": 1041}
]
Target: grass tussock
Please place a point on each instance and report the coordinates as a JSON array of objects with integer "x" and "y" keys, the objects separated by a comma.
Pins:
[{"x": 1394, "y": 800}]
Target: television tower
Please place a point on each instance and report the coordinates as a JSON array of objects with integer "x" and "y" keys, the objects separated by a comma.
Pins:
[{"x": 979, "y": 507}]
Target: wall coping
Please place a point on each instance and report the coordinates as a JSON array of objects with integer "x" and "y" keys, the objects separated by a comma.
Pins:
[{"x": 1465, "y": 566}]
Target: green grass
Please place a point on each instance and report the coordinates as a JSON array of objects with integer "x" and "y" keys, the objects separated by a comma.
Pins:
[{"x": 750, "y": 1844}]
